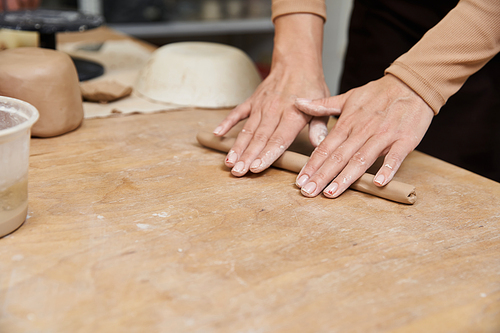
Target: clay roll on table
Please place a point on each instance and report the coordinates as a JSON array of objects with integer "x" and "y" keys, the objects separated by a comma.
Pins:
[{"x": 291, "y": 161}]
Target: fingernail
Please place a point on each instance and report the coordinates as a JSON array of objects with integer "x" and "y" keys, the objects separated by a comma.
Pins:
[
  {"x": 302, "y": 180},
  {"x": 303, "y": 100},
  {"x": 331, "y": 189},
  {"x": 321, "y": 138},
  {"x": 309, "y": 188},
  {"x": 379, "y": 179},
  {"x": 239, "y": 167},
  {"x": 256, "y": 164},
  {"x": 217, "y": 130},
  {"x": 231, "y": 157}
]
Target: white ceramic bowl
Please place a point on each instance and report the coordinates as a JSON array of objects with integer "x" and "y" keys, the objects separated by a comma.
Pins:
[{"x": 198, "y": 74}]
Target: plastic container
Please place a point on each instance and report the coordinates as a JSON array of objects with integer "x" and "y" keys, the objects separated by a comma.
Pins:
[{"x": 16, "y": 119}]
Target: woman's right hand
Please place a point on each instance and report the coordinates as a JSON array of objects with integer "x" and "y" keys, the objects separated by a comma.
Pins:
[{"x": 382, "y": 118}]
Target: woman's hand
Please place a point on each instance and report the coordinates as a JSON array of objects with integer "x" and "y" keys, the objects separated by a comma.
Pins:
[
  {"x": 273, "y": 119},
  {"x": 383, "y": 117}
]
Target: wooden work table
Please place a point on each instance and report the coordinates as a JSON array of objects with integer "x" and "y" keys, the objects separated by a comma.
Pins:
[{"x": 134, "y": 227}]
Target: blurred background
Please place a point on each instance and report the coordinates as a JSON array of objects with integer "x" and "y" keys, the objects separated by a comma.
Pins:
[{"x": 245, "y": 24}]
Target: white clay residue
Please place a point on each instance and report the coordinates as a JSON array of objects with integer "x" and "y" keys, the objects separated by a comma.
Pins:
[
  {"x": 346, "y": 179},
  {"x": 17, "y": 257},
  {"x": 143, "y": 226},
  {"x": 162, "y": 214}
]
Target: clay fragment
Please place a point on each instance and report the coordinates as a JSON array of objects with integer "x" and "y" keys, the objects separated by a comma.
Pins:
[
  {"x": 104, "y": 91},
  {"x": 291, "y": 161},
  {"x": 48, "y": 80}
]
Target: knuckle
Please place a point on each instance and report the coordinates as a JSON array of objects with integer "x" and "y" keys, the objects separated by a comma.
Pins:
[
  {"x": 394, "y": 159},
  {"x": 337, "y": 157},
  {"x": 277, "y": 140},
  {"x": 321, "y": 151},
  {"x": 247, "y": 131},
  {"x": 411, "y": 141},
  {"x": 233, "y": 116},
  {"x": 342, "y": 131},
  {"x": 294, "y": 117},
  {"x": 261, "y": 137},
  {"x": 240, "y": 109},
  {"x": 341, "y": 127},
  {"x": 272, "y": 104},
  {"x": 359, "y": 159}
]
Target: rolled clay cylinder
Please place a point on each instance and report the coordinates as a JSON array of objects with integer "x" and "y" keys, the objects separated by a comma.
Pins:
[
  {"x": 291, "y": 161},
  {"x": 47, "y": 79}
]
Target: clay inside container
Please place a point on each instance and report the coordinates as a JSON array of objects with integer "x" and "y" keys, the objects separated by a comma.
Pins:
[
  {"x": 16, "y": 119},
  {"x": 8, "y": 120}
]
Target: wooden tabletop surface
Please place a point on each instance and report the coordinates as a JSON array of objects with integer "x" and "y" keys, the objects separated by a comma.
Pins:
[{"x": 134, "y": 227}]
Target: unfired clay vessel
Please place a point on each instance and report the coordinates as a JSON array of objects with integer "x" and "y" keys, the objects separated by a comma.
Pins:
[
  {"x": 199, "y": 74},
  {"x": 48, "y": 80}
]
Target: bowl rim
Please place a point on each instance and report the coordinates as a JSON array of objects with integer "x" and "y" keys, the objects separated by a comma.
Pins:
[{"x": 25, "y": 124}]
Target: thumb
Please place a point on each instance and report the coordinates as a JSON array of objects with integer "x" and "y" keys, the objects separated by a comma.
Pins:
[
  {"x": 330, "y": 106},
  {"x": 318, "y": 130}
]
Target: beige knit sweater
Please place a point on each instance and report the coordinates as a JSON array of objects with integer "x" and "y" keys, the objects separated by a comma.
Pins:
[{"x": 440, "y": 63}]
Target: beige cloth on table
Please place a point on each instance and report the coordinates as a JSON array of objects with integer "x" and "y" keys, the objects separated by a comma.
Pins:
[{"x": 122, "y": 61}]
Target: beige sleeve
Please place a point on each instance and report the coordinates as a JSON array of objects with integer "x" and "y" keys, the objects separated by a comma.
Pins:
[
  {"x": 283, "y": 7},
  {"x": 457, "y": 47}
]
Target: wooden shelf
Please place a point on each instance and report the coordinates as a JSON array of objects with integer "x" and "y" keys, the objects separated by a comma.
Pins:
[{"x": 195, "y": 28}]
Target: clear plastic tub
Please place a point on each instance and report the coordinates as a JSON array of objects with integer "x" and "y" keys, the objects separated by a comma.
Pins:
[{"x": 16, "y": 119}]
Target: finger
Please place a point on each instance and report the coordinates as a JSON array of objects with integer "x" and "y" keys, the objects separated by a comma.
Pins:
[
  {"x": 392, "y": 161},
  {"x": 291, "y": 123},
  {"x": 236, "y": 115},
  {"x": 318, "y": 130},
  {"x": 327, "y": 160},
  {"x": 259, "y": 140},
  {"x": 335, "y": 139},
  {"x": 330, "y": 169},
  {"x": 330, "y": 106},
  {"x": 242, "y": 141},
  {"x": 357, "y": 166}
]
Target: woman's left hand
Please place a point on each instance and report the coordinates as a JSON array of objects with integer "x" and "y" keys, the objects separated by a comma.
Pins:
[{"x": 383, "y": 117}]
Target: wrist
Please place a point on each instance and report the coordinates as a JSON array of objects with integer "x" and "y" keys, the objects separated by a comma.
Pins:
[{"x": 298, "y": 41}]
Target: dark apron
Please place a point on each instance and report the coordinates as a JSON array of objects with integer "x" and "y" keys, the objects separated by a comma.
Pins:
[{"x": 466, "y": 132}]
